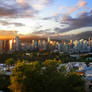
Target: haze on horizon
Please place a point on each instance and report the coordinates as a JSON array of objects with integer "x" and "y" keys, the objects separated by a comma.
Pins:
[{"x": 45, "y": 17}]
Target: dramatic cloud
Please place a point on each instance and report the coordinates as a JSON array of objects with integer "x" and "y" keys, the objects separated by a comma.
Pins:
[
  {"x": 68, "y": 23},
  {"x": 10, "y": 8},
  {"x": 37, "y": 17},
  {"x": 18, "y": 8},
  {"x": 84, "y": 20}
]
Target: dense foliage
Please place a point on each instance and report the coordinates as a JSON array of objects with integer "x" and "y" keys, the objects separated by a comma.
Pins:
[
  {"x": 35, "y": 56},
  {"x": 4, "y": 82},
  {"x": 42, "y": 75},
  {"x": 10, "y": 61},
  {"x": 41, "y": 57},
  {"x": 45, "y": 77}
]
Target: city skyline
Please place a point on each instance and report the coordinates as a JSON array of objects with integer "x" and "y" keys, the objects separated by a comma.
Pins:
[{"x": 45, "y": 17}]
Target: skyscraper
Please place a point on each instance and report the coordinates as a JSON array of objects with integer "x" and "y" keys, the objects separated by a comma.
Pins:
[{"x": 17, "y": 43}]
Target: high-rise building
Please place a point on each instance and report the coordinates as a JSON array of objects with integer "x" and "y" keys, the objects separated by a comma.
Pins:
[
  {"x": 1, "y": 46},
  {"x": 48, "y": 39},
  {"x": 5, "y": 45},
  {"x": 10, "y": 44},
  {"x": 17, "y": 43}
]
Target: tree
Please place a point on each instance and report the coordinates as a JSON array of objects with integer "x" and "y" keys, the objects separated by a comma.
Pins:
[
  {"x": 4, "y": 82},
  {"x": 75, "y": 83},
  {"x": 24, "y": 77},
  {"x": 10, "y": 61},
  {"x": 52, "y": 63},
  {"x": 34, "y": 77}
]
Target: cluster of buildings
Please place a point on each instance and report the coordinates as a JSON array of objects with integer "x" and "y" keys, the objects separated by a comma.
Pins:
[
  {"x": 10, "y": 45},
  {"x": 80, "y": 46},
  {"x": 84, "y": 70},
  {"x": 77, "y": 46}
]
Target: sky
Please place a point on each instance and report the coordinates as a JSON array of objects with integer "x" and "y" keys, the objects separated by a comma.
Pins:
[{"x": 45, "y": 17}]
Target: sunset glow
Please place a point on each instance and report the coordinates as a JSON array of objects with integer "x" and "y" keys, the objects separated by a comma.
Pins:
[{"x": 46, "y": 17}]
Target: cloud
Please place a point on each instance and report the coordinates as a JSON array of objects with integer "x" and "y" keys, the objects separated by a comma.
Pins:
[
  {"x": 9, "y": 8},
  {"x": 6, "y": 23},
  {"x": 84, "y": 20},
  {"x": 68, "y": 23},
  {"x": 81, "y": 3},
  {"x": 48, "y": 25},
  {"x": 21, "y": 8},
  {"x": 22, "y": 2},
  {"x": 44, "y": 32},
  {"x": 35, "y": 4},
  {"x": 69, "y": 10}
]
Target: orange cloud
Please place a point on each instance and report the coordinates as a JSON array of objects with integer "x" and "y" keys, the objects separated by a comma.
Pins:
[
  {"x": 81, "y": 3},
  {"x": 21, "y": 2},
  {"x": 8, "y": 33},
  {"x": 71, "y": 10},
  {"x": 82, "y": 12}
]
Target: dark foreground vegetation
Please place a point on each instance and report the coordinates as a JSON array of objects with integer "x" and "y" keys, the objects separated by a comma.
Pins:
[
  {"x": 42, "y": 56},
  {"x": 41, "y": 77},
  {"x": 37, "y": 72}
]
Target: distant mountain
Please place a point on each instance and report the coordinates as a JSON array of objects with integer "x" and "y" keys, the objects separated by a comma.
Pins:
[{"x": 83, "y": 35}]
